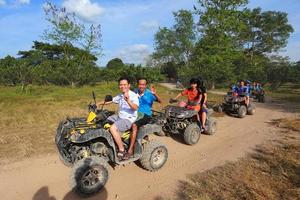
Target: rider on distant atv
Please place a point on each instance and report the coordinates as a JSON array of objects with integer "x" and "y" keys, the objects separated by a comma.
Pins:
[
  {"x": 193, "y": 94},
  {"x": 197, "y": 98},
  {"x": 243, "y": 90}
]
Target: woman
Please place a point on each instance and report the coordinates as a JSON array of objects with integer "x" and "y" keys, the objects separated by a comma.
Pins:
[
  {"x": 203, "y": 111},
  {"x": 193, "y": 95}
]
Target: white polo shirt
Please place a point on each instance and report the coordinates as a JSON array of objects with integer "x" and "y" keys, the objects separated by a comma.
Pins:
[{"x": 125, "y": 111}]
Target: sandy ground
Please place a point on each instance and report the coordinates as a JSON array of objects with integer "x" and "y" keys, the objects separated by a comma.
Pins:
[{"x": 46, "y": 178}]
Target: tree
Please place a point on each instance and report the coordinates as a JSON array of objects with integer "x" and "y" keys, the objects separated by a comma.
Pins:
[
  {"x": 217, "y": 49},
  {"x": 263, "y": 33},
  {"x": 80, "y": 46},
  {"x": 277, "y": 71},
  {"x": 50, "y": 65},
  {"x": 115, "y": 63},
  {"x": 176, "y": 44}
]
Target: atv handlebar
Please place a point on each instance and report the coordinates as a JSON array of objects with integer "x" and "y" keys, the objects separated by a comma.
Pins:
[{"x": 173, "y": 100}]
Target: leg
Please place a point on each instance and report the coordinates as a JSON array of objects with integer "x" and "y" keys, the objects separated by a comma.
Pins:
[
  {"x": 247, "y": 100},
  {"x": 133, "y": 138},
  {"x": 116, "y": 135},
  {"x": 203, "y": 119},
  {"x": 135, "y": 127}
]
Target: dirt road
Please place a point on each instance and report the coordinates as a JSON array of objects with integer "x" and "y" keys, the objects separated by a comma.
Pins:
[{"x": 47, "y": 178}]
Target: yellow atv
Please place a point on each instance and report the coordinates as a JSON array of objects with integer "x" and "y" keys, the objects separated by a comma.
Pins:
[{"x": 87, "y": 145}]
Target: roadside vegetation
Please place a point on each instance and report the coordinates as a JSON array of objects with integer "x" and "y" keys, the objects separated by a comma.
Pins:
[{"x": 272, "y": 171}]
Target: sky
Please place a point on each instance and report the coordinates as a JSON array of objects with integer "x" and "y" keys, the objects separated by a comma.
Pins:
[{"x": 128, "y": 26}]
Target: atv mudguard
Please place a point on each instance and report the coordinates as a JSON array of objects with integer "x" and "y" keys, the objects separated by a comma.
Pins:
[
  {"x": 92, "y": 134},
  {"x": 144, "y": 131}
]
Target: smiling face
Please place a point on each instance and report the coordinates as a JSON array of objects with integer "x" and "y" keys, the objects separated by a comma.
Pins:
[
  {"x": 193, "y": 85},
  {"x": 124, "y": 86},
  {"x": 142, "y": 85},
  {"x": 242, "y": 83}
]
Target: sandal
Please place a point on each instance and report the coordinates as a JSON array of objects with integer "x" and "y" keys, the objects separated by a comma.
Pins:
[
  {"x": 127, "y": 156},
  {"x": 121, "y": 154}
]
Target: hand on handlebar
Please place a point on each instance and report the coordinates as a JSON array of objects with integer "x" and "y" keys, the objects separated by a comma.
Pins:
[{"x": 173, "y": 100}]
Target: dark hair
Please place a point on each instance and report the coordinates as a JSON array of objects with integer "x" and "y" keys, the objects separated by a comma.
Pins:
[
  {"x": 142, "y": 78},
  {"x": 195, "y": 81},
  {"x": 124, "y": 78},
  {"x": 198, "y": 82}
]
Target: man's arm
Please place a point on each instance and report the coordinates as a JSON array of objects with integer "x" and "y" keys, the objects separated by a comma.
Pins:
[
  {"x": 131, "y": 104},
  {"x": 153, "y": 90},
  {"x": 104, "y": 103}
]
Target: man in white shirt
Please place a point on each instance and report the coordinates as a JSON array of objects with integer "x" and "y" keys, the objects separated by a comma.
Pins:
[{"x": 128, "y": 105}]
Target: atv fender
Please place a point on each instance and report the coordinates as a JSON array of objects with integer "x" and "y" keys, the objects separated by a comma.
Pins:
[
  {"x": 143, "y": 132},
  {"x": 94, "y": 134}
]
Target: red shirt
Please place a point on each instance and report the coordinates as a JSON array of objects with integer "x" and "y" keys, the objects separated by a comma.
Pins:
[{"x": 192, "y": 95}]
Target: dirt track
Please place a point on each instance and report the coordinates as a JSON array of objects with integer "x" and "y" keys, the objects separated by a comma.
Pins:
[{"x": 47, "y": 178}]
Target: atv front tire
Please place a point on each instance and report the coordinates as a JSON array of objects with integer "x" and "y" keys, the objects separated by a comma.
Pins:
[
  {"x": 211, "y": 126},
  {"x": 154, "y": 155},
  {"x": 89, "y": 175},
  {"x": 251, "y": 109},
  {"x": 192, "y": 134},
  {"x": 242, "y": 111}
]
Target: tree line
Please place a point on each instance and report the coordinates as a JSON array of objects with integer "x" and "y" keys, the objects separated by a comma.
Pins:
[
  {"x": 223, "y": 41},
  {"x": 220, "y": 41}
]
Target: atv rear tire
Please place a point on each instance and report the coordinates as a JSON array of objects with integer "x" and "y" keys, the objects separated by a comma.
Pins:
[
  {"x": 192, "y": 134},
  {"x": 89, "y": 175},
  {"x": 211, "y": 126},
  {"x": 242, "y": 111},
  {"x": 154, "y": 155},
  {"x": 251, "y": 109}
]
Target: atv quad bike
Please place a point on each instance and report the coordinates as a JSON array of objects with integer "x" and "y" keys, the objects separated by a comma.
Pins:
[
  {"x": 182, "y": 121},
  {"x": 235, "y": 105},
  {"x": 260, "y": 96},
  {"x": 87, "y": 145}
]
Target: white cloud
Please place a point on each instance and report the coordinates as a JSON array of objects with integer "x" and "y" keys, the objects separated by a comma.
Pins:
[
  {"x": 84, "y": 9},
  {"x": 24, "y": 1},
  {"x": 2, "y": 2},
  {"x": 148, "y": 26},
  {"x": 137, "y": 53}
]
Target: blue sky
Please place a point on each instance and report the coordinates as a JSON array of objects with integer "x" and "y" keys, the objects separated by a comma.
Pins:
[{"x": 128, "y": 26}]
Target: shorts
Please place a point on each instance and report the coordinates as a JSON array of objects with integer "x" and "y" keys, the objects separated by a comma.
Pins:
[
  {"x": 121, "y": 124},
  {"x": 203, "y": 109},
  {"x": 146, "y": 119}
]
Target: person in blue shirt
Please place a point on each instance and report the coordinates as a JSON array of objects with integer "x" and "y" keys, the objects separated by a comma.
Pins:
[
  {"x": 244, "y": 91},
  {"x": 249, "y": 87},
  {"x": 146, "y": 99}
]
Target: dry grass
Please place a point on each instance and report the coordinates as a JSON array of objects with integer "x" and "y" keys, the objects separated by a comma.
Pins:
[
  {"x": 28, "y": 121},
  {"x": 271, "y": 172}
]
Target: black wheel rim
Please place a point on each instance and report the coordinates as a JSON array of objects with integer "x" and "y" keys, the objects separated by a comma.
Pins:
[
  {"x": 158, "y": 157},
  {"x": 93, "y": 176}
]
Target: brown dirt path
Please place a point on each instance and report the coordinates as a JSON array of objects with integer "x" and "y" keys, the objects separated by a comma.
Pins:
[{"x": 46, "y": 178}]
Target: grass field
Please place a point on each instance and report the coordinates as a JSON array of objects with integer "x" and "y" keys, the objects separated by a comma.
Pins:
[
  {"x": 28, "y": 121},
  {"x": 271, "y": 172},
  {"x": 288, "y": 92}
]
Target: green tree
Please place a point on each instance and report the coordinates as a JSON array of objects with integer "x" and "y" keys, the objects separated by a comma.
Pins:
[
  {"x": 217, "y": 49},
  {"x": 277, "y": 71},
  {"x": 80, "y": 45},
  {"x": 7, "y": 71},
  {"x": 115, "y": 63},
  {"x": 176, "y": 44}
]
